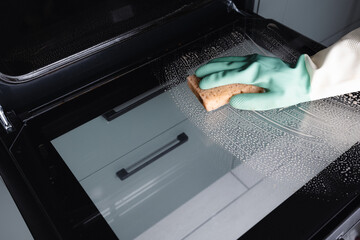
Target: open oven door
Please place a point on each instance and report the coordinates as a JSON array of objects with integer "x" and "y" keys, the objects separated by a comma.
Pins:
[{"x": 102, "y": 138}]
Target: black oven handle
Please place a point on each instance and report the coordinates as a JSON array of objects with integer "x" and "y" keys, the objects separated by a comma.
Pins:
[{"x": 180, "y": 139}]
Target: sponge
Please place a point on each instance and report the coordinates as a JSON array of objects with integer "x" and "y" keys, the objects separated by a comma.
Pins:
[{"x": 216, "y": 97}]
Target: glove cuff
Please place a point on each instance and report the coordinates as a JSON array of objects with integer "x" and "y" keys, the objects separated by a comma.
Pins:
[{"x": 336, "y": 69}]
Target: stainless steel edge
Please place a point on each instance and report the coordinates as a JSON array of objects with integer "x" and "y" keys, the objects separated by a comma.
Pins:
[{"x": 4, "y": 121}]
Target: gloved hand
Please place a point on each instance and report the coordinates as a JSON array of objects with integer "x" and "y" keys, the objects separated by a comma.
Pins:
[
  {"x": 285, "y": 85},
  {"x": 330, "y": 72}
]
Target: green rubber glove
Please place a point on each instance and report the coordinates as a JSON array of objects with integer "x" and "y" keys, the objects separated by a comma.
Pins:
[{"x": 285, "y": 85}]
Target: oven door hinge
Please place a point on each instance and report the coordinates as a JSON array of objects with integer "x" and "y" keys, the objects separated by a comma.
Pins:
[{"x": 5, "y": 122}]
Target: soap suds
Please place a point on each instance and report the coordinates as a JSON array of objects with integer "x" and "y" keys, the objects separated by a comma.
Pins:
[{"x": 291, "y": 145}]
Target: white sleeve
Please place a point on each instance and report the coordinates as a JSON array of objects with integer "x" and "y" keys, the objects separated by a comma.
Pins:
[{"x": 336, "y": 69}]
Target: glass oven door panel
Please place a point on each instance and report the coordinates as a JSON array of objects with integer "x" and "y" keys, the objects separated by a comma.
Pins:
[
  {"x": 99, "y": 142},
  {"x": 140, "y": 191}
]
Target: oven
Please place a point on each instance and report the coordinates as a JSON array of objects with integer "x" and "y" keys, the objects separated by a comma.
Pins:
[{"x": 102, "y": 139}]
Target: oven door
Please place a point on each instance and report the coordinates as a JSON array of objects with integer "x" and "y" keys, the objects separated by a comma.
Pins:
[{"x": 137, "y": 157}]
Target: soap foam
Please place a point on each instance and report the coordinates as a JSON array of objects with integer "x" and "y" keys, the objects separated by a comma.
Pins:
[{"x": 290, "y": 145}]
